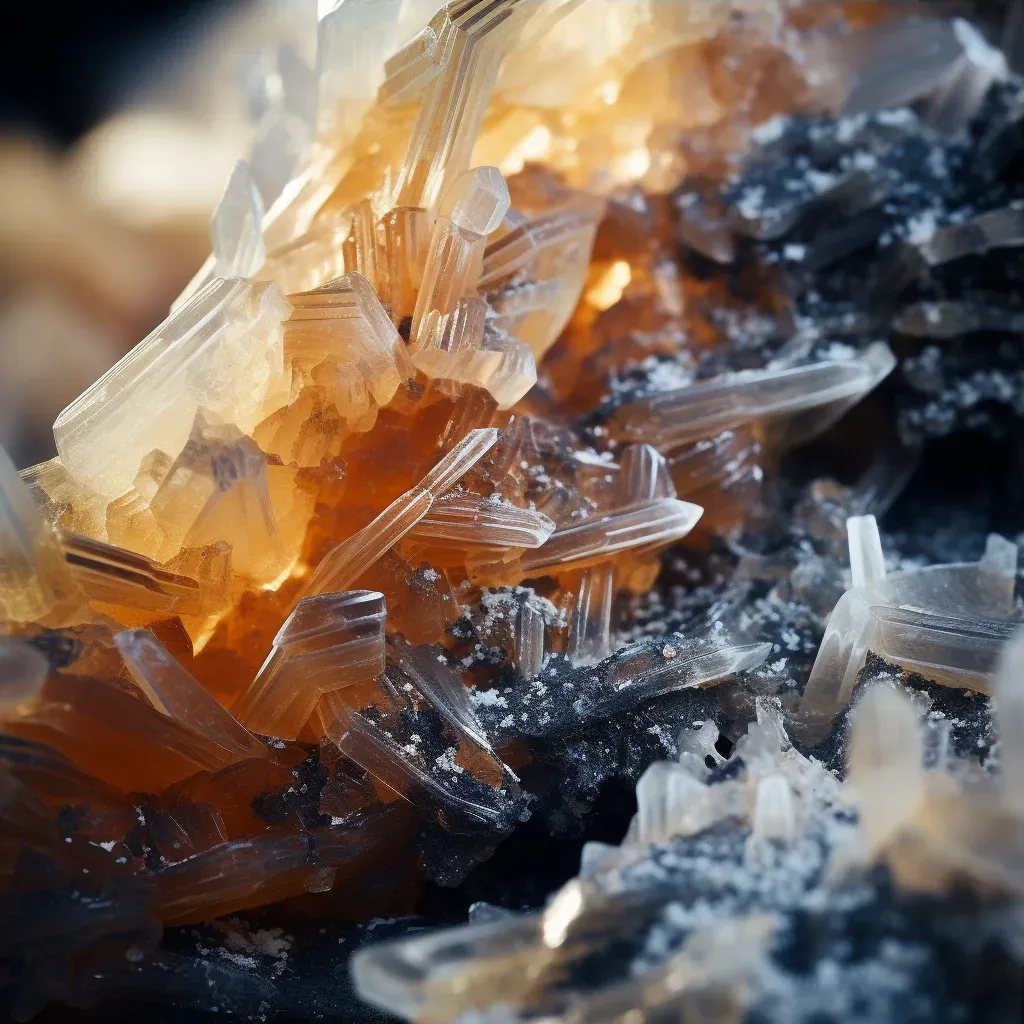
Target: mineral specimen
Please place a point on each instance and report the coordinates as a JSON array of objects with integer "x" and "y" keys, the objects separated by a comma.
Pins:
[{"x": 466, "y": 489}]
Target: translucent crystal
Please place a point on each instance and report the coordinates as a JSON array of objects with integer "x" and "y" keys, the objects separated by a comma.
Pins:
[
  {"x": 329, "y": 641},
  {"x": 473, "y": 37},
  {"x": 540, "y": 265},
  {"x": 217, "y": 490},
  {"x": 173, "y": 692},
  {"x": 590, "y": 628},
  {"x": 350, "y": 559},
  {"x": 774, "y": 810},
  {"x": 867, "y": 563},
  {"x": 422, "y": 765},
  {"x": 353, "y": 41},
  {"x": 655, "y": 523},
  {"x": 238, "y": 248},
  {"x": 483, "y": 522},
  {"x": 946, "y": 622},
  {"x": 343, "y": 327},
  {"x": 440, "y": 684},
  {"x": 34, "y": 579},
  {"x": 476, "y": 201},
  {"x": 529, "y": 640},
  {"x": 810, "y": 398},
  {"x": 112, "y": 576},
  {"x": 220, "y": 352},
  {"x": 644, "y": 476},
  {"x": 473, "y": 206},
  {"x": 670, "y": 802},
  {"x": 996, "y": 229}
]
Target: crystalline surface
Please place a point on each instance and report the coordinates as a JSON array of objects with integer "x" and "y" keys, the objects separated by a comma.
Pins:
[
  {"x": 174, "y": 692},
  {"x": 218, "y": 353},
  {"x": 328, "y": 642},
  {"x": 34, "y": 579},
  {"x": 468, "y": 484}
]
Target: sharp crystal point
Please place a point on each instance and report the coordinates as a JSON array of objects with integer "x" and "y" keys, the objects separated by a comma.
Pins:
[
  {"x": 175, "y": 693},
  {"x": 238, "y": 248},
  {"x": 886, "y": 761},
  {"x": 867, "y": 563}
]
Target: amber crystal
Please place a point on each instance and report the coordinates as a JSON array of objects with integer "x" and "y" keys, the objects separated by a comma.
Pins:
[{"x": 457, "y": 391}]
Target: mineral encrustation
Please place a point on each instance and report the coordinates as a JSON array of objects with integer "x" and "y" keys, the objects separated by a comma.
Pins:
[{"x": 524, "y": 441}]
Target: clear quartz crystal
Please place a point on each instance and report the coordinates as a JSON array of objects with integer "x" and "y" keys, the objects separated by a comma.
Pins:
[
  {"x": 655, "y": 523},
  {"x": 329, "y": 641},
  {"x": 238, "y": 248},
  {"x": 886, "y": 762},
  {"x": 590, "y": 628},
  {"x": 529, "y": 640},
  {"x": 946, "y": 622},
  {"x": 486, "y": 522},
  {"x": 867, "y": 563},
  {"x": 801, "y": 402}
]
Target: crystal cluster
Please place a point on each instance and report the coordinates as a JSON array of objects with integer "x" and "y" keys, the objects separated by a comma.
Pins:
[{"x": 454, "y": 492}]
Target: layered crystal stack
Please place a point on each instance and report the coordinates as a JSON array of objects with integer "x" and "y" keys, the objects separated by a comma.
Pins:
[{"x": 415, "y": 436}]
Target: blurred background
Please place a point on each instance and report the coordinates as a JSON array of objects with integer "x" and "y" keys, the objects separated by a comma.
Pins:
[{"x": 120, "y": 123}]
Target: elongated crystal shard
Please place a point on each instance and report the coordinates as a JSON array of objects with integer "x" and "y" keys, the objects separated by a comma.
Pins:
[
  {"x": 361, "y": 249},
  {"x": 528, "y": 640},
  {"x": 238, "y": 248},
  {"x": 484, "y": 522},
  {"x": 344, "y": 564},
  {"x": 840, "y": 657},
  {"x": 472, "y": 208},
  {"x": 533, "y": 275},
  {"x": 459, "y": 461},
  {"x": 656, "y": 523},
  {"x": 643, "y": 476},
  {"x": 406, "y": 231},
  {"x": 472, "y": 36},
  {"x": 34, "y": 579},
  {"x": 590, "y": 628},
  {"x": 328, "y": 642},
  {"x": 419, "y": 764},
  {"x": 175, "y": 693},
  {"x": 867, "y": 563},
  {"x": 220, "y": 352},
  {"x": 811, "y": 397},
  {"x": 113, "y": 576},
  {"x": 439, "y": 683}
]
